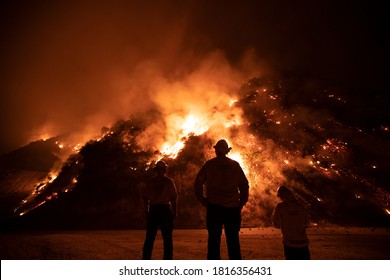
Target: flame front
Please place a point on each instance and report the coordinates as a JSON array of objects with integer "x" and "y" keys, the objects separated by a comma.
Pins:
[
  {"x": 182, "y": 128},
  {"x": 274, "y": 145}
]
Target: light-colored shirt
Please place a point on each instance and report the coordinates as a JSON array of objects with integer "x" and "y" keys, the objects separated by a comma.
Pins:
[
  {"x": 293, "y": 219},
  {"x": 222, "y": 181}
]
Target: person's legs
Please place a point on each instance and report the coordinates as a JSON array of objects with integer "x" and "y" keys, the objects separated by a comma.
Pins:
[
  {"x": 304, "y": 253},
  {"x": 292, "y": 253},
  {"x": 288, "y": 253},
  {"x": 232, "y": 223},
  {"x": 214, "y": 227},
  {"x": 166, "y": 226},
  {"x": 151, "y": 231}
]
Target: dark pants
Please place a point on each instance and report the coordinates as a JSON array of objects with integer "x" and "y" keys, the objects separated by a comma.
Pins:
[
  {"x": 160, "y": 216},
  {"x": 292, "y": 253},
  {"x": 230, "y": 218}
]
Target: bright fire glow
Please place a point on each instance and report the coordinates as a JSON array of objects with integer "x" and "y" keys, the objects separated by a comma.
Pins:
[
  {"x": 190, "y": 125},
  {"x": 263, "y": 159},
  {"x": 231, "y": 103},
  {"x": 77, "y": 147},
  {"x": 237, "y": 157},
  {"x": 52, "y": 177},
  {"x": 172, "y": 150}
]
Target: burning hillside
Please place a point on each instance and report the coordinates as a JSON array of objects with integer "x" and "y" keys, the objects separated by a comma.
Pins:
[{"x": 310, "y": 138}]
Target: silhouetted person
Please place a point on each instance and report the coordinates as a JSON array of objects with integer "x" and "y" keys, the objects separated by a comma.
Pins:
[
  {"x": 221, "y": 186},
  {"x": 293, "y": 219},
  {"x": 160, "y": 198}
]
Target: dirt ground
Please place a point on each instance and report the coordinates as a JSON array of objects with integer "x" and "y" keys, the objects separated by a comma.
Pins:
[{"x": 190, "y": 244}]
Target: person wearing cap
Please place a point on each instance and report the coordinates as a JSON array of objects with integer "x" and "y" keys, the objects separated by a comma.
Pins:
[
  {"x": 160, "y": 199},
  {"x": 293, "y": 219},
  {"x": 222, "y": 187}
]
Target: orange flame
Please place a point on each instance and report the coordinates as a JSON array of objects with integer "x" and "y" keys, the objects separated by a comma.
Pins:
[{"x": 190, "y": 125}]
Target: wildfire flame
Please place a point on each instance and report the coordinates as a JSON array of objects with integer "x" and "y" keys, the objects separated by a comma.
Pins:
[
  {"x": 264, "y": 158},
  {"x": 190, "y": 125}
]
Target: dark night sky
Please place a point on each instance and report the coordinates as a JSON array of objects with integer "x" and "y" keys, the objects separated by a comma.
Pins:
[{"x": 61, "y": 61}]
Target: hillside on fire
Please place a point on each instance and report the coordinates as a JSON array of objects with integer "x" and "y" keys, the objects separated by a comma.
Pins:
[{"x": 331, "y": 150}]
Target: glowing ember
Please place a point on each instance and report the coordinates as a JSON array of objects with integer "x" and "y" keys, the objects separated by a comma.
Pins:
[
  {"x": 52, "y": 177},
  {"x": 385, "y": 128},
  {"x": 60, "y": 145},
  {"x": 77, "y": 147}
]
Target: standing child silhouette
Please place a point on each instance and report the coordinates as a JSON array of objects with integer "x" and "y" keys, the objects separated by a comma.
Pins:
[{"x": 292, "y": 218}]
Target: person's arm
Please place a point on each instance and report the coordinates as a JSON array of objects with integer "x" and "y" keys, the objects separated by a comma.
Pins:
[
  {"x": 147, "y": 194},
  {"x": 276, "y": 217},
  {"x": 244, "y": 194},
  {"x": 198, "y": 186},
  {"x": 244, "y": 188},
  {"x": 174, "y": 199}
]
